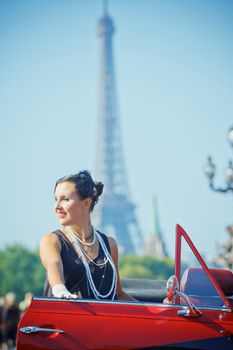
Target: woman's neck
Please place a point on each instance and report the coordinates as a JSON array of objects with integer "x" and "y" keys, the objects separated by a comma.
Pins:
[{"x": 84, "y": 232}]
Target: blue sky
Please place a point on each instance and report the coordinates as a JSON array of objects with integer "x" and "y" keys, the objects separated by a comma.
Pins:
[{"x": 174, "y": 74}]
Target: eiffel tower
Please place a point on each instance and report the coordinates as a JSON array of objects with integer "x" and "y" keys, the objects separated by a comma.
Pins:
[{"x": 115, "y": 213}]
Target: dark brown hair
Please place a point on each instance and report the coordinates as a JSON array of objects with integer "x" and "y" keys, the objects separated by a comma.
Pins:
[{"x": 84, "y": 185}]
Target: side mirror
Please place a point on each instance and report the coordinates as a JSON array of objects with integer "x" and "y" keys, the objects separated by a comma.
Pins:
[
  {"x": 172, "y": 288},
  {"x": 172, "y": 294}
]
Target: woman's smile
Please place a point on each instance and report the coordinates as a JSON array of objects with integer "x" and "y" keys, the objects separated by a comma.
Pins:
[{"x": 61, "y": 214}]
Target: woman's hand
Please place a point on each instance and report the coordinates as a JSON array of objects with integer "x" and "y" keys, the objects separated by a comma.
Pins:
[{"x": 60, "y": 291}]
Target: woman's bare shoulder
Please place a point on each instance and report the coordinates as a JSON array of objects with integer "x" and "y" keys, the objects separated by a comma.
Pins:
[
  {"x": 50, "y": 239},
  {"x": 112, "y": 243}
]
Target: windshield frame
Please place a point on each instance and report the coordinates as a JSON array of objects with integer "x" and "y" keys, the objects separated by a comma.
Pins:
[{"x": 180, "y": 232}]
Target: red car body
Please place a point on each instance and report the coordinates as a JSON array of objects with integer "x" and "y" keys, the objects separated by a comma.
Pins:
[{"x": 205, "y": 321}]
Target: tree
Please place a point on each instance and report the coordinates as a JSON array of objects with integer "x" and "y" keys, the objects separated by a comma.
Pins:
[
  {"x": 145, "y": 267},
  {"x": 20, "y": 271},
  {"x": 225, "y": 255}
]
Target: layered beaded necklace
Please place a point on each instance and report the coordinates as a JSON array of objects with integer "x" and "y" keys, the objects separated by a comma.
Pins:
[
  {"x": 86, "y": 243},
  {"x": 82, "y": 254}
]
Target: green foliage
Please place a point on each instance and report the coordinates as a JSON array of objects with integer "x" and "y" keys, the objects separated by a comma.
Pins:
[
  {"x": 145, "y": 267},
  {"x": 20, "y": 271},
  {"x": 135, "y": 271}
]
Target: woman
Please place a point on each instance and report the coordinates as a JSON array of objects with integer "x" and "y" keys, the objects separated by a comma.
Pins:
[{"x": 80, "y": 261}]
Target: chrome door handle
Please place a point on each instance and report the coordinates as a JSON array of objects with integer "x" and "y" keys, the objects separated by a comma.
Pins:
[{"x": 32, "y": 329}]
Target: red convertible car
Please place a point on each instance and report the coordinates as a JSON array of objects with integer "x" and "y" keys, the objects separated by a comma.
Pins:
[{"x": 193, "y": 310}]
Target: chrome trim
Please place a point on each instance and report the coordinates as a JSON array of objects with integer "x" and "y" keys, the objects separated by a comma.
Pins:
[
  {"x": 192, "y": 310},
  {"x": 111, "y": 302},
  {"x": 122, "y": 302},
  {"x": 184, "y": 312},
  {"x": 32, "y": 329}
]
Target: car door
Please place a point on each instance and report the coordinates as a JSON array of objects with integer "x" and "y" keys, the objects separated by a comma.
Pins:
[
  {"x": 90, "y": 324},
  {"x": 63, "y": 324}
]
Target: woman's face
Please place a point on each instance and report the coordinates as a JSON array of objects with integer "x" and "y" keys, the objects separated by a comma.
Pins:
[{"x": 69, "y": 208}]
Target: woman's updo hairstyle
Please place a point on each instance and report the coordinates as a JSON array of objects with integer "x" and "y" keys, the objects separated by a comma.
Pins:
[{"x": 84, "y": 185}]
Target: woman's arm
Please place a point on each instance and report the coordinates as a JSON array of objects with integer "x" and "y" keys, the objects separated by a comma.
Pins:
[
  {"x": 121, "y": 295},
  {"x": 50, "y": 249}
]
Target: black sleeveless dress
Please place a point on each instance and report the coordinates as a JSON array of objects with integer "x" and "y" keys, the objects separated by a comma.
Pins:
[{"x": 75, "y": 273}]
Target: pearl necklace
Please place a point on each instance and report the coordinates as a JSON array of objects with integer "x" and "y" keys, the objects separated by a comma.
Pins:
[
  {"x": 86, "y": 243},
  {"x": 78, "y": 249},
  {"x": 101, "y": 264}
]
